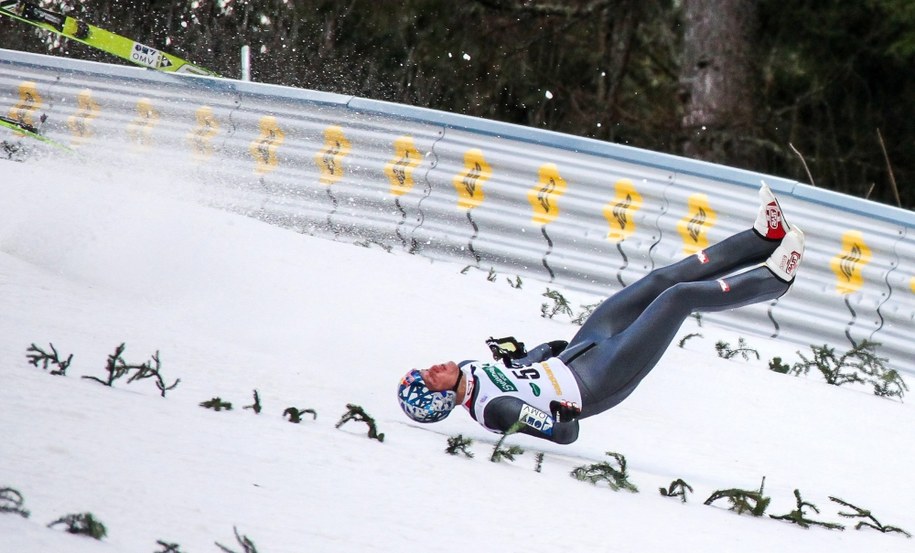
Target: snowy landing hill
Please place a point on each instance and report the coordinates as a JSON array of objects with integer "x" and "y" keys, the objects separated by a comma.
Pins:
[{"x": 94, "y": 257}]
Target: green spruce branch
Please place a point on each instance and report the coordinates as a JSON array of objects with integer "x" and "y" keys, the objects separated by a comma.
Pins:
[
  {"x": 459, "y": 444},
  {"x": 149, "y": 370},
  {"x": 889, "y": 383},
  {"x": 687, "y": 338},
  {"x": 560, "y": 305},
  {"x": 724, "y": 350},
  {"x": 256, "y": 406},
  {"x": 246, "y": 544},
  {"x": 776, "y": 365},
  {"x": 585, "y": 312},
  {"x": 295, "y": 414},
  {"x": 743, "y": 501},
  {"x": 538, "y": 461},
  {"x": 116, "y": 368},
  {"x": 797, "y": 516},
  {"x": 83, "y": 523},
  {"x": 356, "y": 413},
  {"x": 499, "y": 452},
  {"x": 860, "y": 364},
  {"x": 217, "y": 404},
  {"x": 168, "y": 547},
  {"x": 677, "y": 488},
  {"x": 871, "y": 521},
  {"x": 11, "y": 501},
  {"x": 37, "y": 355},
  {"x": 368, "y": 243},
  {"x": 616, "y": 477}
]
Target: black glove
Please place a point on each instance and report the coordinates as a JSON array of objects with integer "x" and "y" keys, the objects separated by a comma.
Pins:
[
  {"x": 565, "y": 411},
  {"x": 506, "y": 349}
]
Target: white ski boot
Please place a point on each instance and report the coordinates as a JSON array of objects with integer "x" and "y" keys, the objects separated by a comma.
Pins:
[
  {"x": 770, "y": 222},
  {"x": 785, "y": 259}
]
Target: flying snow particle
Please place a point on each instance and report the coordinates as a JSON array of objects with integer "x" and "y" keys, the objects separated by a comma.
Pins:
[
  {"x": 466, "y": 56},
  {"x": 549, "y": 95}
]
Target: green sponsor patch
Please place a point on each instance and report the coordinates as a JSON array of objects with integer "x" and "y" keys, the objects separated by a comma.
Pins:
[
  {"x": 535, "y": 388},
  {"x": 499, "y": 379}
]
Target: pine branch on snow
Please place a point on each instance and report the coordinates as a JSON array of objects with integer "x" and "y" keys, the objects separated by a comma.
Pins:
[
  {"x": 295, "y": 414},
  {"x": 217, "y": 404},
  {"x": 459, "y": 444},
  {"x": 244, "y": 541},
  {"x": 146, "y": 370},
  {"x": 615, "y": 477},
  {"x": 725, "y": 351},
  {"x": 538, "y": 462},
  {"x": 776, "y": 365},
  {"x": 798, "y": 516},
  {"x": 115, "y": 367},
  {"x": 356, "y": 413},
  {"x": 36, "y": 355},
  {"x": 678, "y": 488},
  {"x": 688, "y": 337},
  {"x": 83, "y": 523},
  {"x": 560, "y": 305},
  {"x": 168, "y": 547},
  {"x": 256, "y": 406},
  {"x": 864, "y": 513},
  {"x": 11, "y": 501},
  {"x": 498, "y": 453},
  {"x": 743, "y": 501}
]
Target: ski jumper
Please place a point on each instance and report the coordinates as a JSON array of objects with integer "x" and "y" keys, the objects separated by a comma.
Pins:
[
  {"x": 626, "y": 335},
  {"x": 521, "y": 393}
]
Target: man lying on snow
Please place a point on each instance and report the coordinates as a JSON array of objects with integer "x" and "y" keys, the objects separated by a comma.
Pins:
[{"x": 556, "y": 384}]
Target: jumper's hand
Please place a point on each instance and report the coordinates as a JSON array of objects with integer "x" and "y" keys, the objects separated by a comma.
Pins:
[{"x": 565, "y": 411}]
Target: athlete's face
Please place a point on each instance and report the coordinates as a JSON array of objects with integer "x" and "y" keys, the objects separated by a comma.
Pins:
[{"x": 439, "y": 378}]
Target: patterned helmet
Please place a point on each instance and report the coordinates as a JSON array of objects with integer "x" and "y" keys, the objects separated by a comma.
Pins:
[{"x": 421, "y": 404}]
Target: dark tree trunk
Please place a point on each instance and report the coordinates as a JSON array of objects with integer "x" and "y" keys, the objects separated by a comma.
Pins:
[{"x": 719, "y": 82}]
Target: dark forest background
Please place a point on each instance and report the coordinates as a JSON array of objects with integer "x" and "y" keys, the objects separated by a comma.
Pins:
[{"x": 813, "y": 90}]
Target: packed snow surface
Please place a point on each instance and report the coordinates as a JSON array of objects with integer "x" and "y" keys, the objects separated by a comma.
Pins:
[{"x": 93, "y": 257}]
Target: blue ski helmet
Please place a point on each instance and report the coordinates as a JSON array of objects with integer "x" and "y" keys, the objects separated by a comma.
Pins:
[{"x": 421, "y": 404}]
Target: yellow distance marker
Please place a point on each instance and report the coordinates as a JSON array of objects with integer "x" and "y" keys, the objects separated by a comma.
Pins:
[
  {"x": 544, "y": 197},
  {"x": 400, "y": 169},
  {"x": 620, "y": 211},
  {"x": 80, "y": 123},
  {"x": 849, "y": 263},
  {"x": 694, "y": 227},
  {"x": 141, "y": 128},
  {"x": 263, "y": 148},
  {"x": 330, "y": 159},
  {"x": 469, "y": 182},
  {"x": 201, "y": 137},
  {"x": 29, "y": 102}
]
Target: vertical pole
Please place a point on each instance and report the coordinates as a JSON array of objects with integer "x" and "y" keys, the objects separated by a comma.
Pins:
[{"x": 245, "y": 63}]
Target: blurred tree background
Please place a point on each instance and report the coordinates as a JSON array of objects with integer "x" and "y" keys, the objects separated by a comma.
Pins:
[{"x": 765, "y": 85}]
